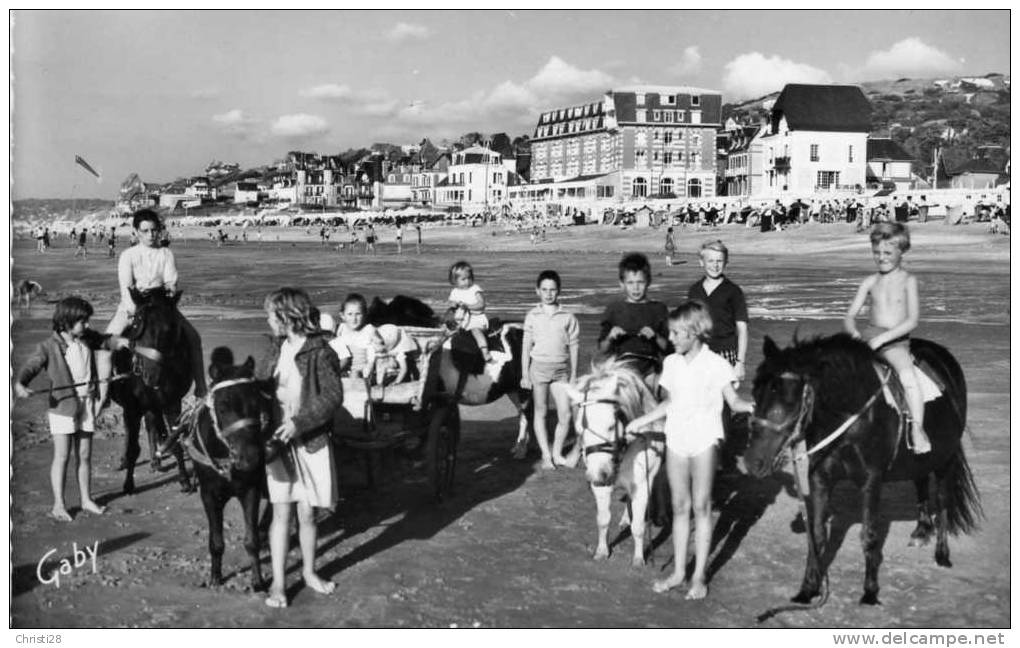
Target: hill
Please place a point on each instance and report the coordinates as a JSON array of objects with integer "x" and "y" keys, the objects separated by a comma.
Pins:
[{"x": 920, "y": 114}]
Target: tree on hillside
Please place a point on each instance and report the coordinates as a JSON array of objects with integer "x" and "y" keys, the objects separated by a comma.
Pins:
[
  {"x": 468, "y": 140},
  {"x": 353, "y": 155}
]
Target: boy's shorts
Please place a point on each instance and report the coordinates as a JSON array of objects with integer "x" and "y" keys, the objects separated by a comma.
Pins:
[
  {"x": 544, "y": 373},
  {"x": 82, "y": 421}
]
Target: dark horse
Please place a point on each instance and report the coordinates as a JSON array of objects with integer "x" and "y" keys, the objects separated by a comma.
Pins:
[
  {"x": 818, "y": 387},
  {"x": 226, "y": 441},
  {"x": 158, "y": 376}
]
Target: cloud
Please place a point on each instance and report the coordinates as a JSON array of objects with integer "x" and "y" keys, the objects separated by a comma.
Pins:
[
  {"x": 753, "y": 74},
  {"x": 910, "y": 56},
  {"x": 559, "y": 78},
  {"x": 236, "y": 123},
  {"x": 329, "y": 91},
  {"x": 407, "y": 31},
  {"x": 299, "y": 125},
  {"x": 205, "y": 93},
  {"x": 689, "y": 63}
]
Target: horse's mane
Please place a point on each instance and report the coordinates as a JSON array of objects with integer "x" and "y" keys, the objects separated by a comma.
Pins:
[
  {"x": 632, "y": 394},
  {"x": 839, "y": 367}
]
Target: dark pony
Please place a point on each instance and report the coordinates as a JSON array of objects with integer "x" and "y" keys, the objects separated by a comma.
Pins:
[
  {"x": 817, "y": 387},
  {"x": 226, "y": 439},
  {"x": 158, "y": 376}
]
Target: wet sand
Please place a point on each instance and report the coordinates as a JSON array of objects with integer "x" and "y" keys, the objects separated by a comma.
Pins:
[{"x": 511, "y": 548}]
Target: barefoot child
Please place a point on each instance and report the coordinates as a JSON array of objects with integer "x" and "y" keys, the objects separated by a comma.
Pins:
[
  {"x": 469, "y": 294},
  {"x": 548, "y": 361},
  {"x": 636, "y": 325},
  {"x": 305, "y": 374},
  {"x": 894, "y": 314},
  {"x": 695, "y": 381},
  {"x": 68, "y": 358}
]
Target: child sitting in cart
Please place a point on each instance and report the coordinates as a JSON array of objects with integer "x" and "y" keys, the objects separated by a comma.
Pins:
[
  {"x": 388, "y": 354},
  {"x": 354, "y": 337}
]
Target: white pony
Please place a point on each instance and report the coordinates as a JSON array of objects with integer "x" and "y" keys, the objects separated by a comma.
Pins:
[{"x": 606, "y": 400}]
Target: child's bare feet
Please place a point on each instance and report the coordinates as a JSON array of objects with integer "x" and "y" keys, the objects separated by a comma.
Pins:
[
  {"x": 277, "y": 598},
  {"x": 667, "y": 584},
  {"x": 92, "y": 507},
  {"x": 570, "y": 461},
  {"x": 547, "y": 463},
  {"x": 313, "y": 581},
  {"x": 60, "y": 514},
  {"x": 698, "y": 591}
]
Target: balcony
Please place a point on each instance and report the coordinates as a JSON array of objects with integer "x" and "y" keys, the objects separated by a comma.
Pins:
[{"x": 782, "y": 164}]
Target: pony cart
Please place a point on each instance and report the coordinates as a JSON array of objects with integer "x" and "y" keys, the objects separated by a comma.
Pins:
[{"x": 379, "y": 417}]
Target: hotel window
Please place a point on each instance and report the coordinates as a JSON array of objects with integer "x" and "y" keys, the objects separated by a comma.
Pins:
[
  {"x": 667, "y": 158},
  {"x": 814, "y": 152},
  {"x": 655, "y": 135},
  {"x": 828, "y": 179},
  {"x": 655, "y": 156},
  {"x": 695, "y": 116},
  {"x": 640, "y": 98},
  {"x": 667, "y": 138},
  {"x": 640, "y": 115},
  {"x": 670, "y": 100},
  {"x": 639, "y": 158},
  {"x": 850, "y": 153},
  {"x": 640, "y": 188},
  {"x": 695, "y": 100},
  {"x": 656, "y": 115},
  {"x": 679, "y": 116}
]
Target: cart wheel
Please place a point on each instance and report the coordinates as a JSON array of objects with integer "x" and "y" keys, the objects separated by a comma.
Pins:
[{"x": 441, "y": 451}]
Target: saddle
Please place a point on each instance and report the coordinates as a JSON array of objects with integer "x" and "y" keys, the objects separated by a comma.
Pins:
[
  {"x": 928, "y": 382},
  {"x": 467, "y": 356}
]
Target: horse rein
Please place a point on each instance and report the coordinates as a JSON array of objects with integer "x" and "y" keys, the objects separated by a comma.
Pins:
[
  {"x": 203, "y": 454},
  {"x": 609, "y": 446}
]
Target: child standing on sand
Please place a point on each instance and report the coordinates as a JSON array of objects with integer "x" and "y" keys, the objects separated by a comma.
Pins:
[
  {"x": 895, "y": 312},
  {"x": 305, "y": 376},
  {"x": 68, "y": 358},
  {"x": 695, "y": 381},
  {"x": 726, "y": 306},
  {"x": 635, "y": 326},
  {"x": 549, "y": 361},
  {"x": 470, "y": 295},
  {"x": 670, "y": 246}
]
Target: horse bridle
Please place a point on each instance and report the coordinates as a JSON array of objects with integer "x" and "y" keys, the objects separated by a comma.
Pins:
[
  {"x": 613, "y": 446},
  {"x": 793, "y": 427},
  {"x": 222, "y": 433}
]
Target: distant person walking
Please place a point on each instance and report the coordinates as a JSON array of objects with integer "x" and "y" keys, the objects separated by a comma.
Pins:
[
  {"x": 670, "y": 246},
  {"x": 46, "y": 238},
  {"x": 370, "y": 239},
  {"x": 400, "y": 237},
  {"x": 417, "y": 228},
  {"x": 82, "y": 248},
  {"x": 40, "y": 245},
  {"x": 111, "y": 243}
]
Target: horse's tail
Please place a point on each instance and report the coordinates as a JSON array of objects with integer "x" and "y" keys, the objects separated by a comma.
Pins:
[{"x": 960, "y": 494}]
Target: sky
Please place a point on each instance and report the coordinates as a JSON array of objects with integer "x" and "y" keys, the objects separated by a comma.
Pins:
[{"x": 163, "y": 93}]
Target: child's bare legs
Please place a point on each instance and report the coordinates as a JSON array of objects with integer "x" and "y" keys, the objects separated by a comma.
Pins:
[
  {"x": 563, "y": 414},
  {"x": 83, "y": 441},
  {"x": 540, "y": 400},
  {"x": 702, "y": 472},
  {"x": 483, "y": 344},
  {"x": 279, "y": 540},
  {"x": 61, "y": 451},
  {"x": 678, "y": 471},
  {"x": 104, "y": 359},
  {"x": 308, "y": 534},
  {"x": 899, "y": 357}
]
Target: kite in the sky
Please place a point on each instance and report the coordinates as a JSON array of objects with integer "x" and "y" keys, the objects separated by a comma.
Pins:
[{"x": 85, "y": 165}]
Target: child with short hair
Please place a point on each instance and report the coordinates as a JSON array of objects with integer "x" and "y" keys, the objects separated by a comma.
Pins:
[
  {"x": 355, "y": 336},
  {"x": 549, "y": 361},
  {"x": 469, "y": 294},
  {"x": 696, "y": 381},
  {"x": 726, "y": 305},
  {"x": 68, "y": 358},
  {"x": 635, "y": 325},
  {"x": 895, "y": 311}
]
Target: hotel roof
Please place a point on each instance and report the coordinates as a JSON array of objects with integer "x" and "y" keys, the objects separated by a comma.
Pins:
[{"x": 667, "y": 90}]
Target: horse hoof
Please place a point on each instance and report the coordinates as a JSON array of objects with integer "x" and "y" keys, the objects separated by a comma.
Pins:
[
  {"x": 637, "y": 563},
  {"x": 123, "y": 465},
  {"x": 259, "y": 585},
  {"x": 803, "y": 598},
  {"x": 599, "y": 556},
  {"x": 870, "y": 598},
  {"x": 943, "y": 561},
  {"x": 129, "y": 488},
  {"x": 186, "y": 486}
]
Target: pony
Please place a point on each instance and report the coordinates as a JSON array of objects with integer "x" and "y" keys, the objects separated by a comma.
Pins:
[
  {"x": 460, "y": 372},
  {"x": 828, "y": 393},
  {"x": 158, "y": 375},
  {"x": 227, "y": 441},
  {"x": 606, "y": 399}
]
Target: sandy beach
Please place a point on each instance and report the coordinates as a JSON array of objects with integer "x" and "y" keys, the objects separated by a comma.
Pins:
[{"x": 512, "y": 547}]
